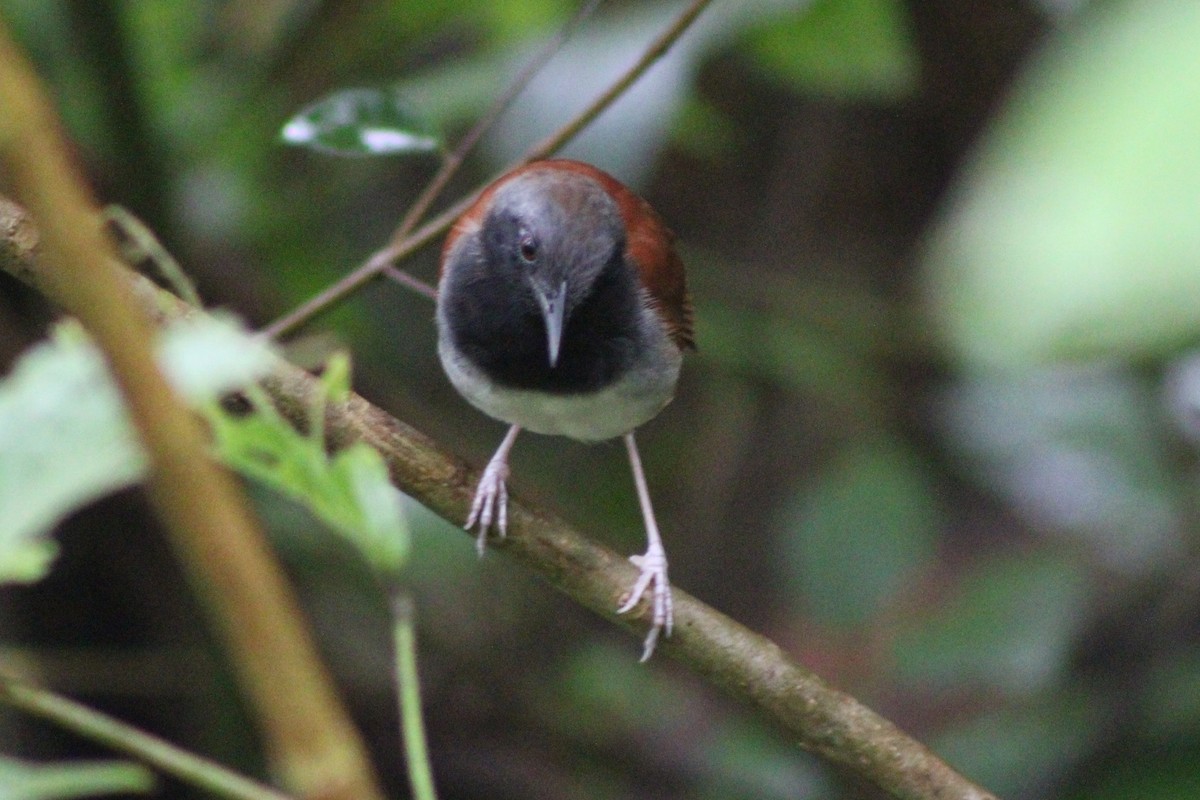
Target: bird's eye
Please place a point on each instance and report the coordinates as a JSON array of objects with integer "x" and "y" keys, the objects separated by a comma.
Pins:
[{"x": 528, "y": 248}]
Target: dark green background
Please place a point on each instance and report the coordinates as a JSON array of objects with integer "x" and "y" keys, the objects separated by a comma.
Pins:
[{"x": 941, "y": 258}]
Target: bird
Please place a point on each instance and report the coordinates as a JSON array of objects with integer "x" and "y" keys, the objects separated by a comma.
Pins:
[{"x": 563, "y": 309}]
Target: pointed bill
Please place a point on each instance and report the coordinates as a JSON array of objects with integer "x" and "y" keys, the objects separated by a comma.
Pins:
[{"x": 552, "y": 302}]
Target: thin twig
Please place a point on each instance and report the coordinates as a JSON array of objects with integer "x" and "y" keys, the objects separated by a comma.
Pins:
[
  {"x": 404, "y": 279},
  {"x": 381, "y": 259},
  {"x": 454, "y": 159},
  {"x": 158, "y": 753},
  {"x": 501, "y": 104},
  {"x": 747, "y": 666},
  {"x": 657, "y": 49}
]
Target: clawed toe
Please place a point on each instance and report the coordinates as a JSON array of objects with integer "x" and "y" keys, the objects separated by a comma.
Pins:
[
  {"x": 490, "y": 505},
  {"x": 653, "y": 578},
  {"x": 491, "y": 496}
]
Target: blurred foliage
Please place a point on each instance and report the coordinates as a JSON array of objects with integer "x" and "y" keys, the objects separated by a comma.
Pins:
[
  {"x": 876, "y": 501},
  {"x": 67, "y": 439},
  {"x": 995, "y": 634},
  {"x": 1073, "y": 232},
  {"x": 349, "y": 490},
  {"x": 899, "y": 219},
  {"x": 1026, "y": 747},
  {"x": 1079, "y": 451},
  {"x": 846, "y": 48}
]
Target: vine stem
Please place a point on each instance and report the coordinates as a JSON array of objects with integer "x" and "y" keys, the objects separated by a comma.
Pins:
[
  {"x": 408, "y": 690},
  {"x": 158, "y": 753},
  {"x": 379, "y": 261},
  {"x": 656, "y": 50}
]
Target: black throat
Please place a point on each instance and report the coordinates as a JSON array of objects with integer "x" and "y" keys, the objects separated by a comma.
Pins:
[{"x": 494, "y": 321}]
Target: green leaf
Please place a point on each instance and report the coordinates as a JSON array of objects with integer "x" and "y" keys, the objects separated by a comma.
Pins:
[
  {"x": 336, "y": 377},
  {"x": 844, "y": 48},
  {"x": 1073, "y": 233},
  {"x": 362, "y": 122},
  {"x": 206, "y": 356},
  {"x": 65, "y": 438},
  {"x": 22, "y": 780},
  {"x": 1012, "y": 628},
  {"x": 866, "y": 527},
  {"x": 349, "y": 490},
  {"x": 63, "y": 441}
]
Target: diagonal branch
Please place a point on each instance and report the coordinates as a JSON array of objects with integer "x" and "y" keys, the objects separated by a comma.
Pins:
[{"x": 744, "y": 664}]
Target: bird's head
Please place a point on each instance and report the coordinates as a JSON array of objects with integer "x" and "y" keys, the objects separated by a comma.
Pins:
[{"x": 552, "y": 233}]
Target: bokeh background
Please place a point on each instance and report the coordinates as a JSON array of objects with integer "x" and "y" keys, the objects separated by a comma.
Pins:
[{"x": 937, "y": 440}]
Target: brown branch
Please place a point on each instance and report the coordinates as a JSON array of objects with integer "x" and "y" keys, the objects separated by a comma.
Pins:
[
  {"x": 308, "y": 734},
  {"x": 746, "y": 665},
  {"x": 403, "y": 246}
]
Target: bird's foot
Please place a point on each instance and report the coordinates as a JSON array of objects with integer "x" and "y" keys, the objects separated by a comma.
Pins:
[
  {"x": 490, "y": 503},
  {"x": 653, "y": 578}
]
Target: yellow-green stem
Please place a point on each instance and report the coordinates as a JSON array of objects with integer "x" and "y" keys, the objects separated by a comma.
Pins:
[
  {"x": 408, "y": 688},
  {"x": 158, "y": 753}
]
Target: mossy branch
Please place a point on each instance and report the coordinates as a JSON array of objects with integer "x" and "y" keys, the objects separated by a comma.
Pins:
[{"x": 744, "y": 664}]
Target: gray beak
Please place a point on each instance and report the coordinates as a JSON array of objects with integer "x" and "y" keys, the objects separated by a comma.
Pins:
[{"x": 552, "y": 302}]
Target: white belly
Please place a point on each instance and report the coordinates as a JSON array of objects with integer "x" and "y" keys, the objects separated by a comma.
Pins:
[{"x": 611, "y": 412}]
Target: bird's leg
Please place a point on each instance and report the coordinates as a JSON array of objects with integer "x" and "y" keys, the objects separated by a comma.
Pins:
[
  {"x": 653, "y": 563},
  {"x": 491, "y": 496}
]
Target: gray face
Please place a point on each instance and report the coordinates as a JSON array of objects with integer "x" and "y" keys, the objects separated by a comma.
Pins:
[{"x": 567, "y": 229}]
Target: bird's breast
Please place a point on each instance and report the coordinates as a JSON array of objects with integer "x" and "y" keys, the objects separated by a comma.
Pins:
[
  {"x": 634, "y": 397},
  {"x": 494, "y": 323}
]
